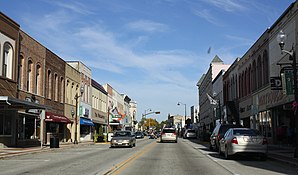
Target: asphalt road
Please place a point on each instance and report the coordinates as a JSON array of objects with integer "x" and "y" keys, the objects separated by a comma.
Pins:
[{"x": 148, "y": 157}]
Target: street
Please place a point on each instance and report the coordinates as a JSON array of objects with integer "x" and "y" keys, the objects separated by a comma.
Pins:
[{"x": 148, "y": 157}]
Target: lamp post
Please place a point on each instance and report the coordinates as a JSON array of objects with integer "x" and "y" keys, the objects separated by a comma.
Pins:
[
  {"x": 281, "y": 38},
  {"x": 76, "y": 118},
  {"x": 179, "y": 103}
]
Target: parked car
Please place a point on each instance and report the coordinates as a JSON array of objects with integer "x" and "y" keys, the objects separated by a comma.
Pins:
[
  {"x": 139, "y": 135},
  {"x": 243, "y": 140},
  {"x": 218, "y": 133},
  {"x": 189, "y": 133},
  {"x": 168, "y": 134},
  {"x": 123, "y": 139}
]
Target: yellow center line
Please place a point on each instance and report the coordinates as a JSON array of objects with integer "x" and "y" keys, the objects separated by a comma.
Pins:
[{"x": 115, "y": 170}]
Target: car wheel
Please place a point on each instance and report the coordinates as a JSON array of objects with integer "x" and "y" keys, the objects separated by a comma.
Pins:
[
  {"x": 210, "y": 147},
  {"x": 226, "y": 153},
  {"x": 219, "y": 152}
]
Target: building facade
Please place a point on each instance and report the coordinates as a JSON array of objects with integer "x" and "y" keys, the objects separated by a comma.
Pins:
[
  {"x": 99, "y": 107},
  {"x": 72, "y": 90},
  {"x": 85, "y": 107}
]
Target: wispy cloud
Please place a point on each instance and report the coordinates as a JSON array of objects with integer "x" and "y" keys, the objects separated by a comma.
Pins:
[
  {"x": 74, "y": 6},
  {"x": 147, "y": 26},
  {"x": 206, "y": 14},
  {"x": 227, "y": 5}
]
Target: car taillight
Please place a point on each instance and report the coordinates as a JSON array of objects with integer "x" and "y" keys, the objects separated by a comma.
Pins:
[
  {"x": 234, "y": 140},
  {"x": 174, "y": 133},
  {"x": 218, "y": 137},
  {"x": 265, "y": 142},
  {"x": 163, "y": 133}
]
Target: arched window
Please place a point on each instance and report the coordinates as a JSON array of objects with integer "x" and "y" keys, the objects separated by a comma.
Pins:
[
  {"x": 56, "y": 87},
  {"x": 37, "y": 80},
  {"x": 29, "y": 76},
  {"x": 249, "y": 80},
  {"x": 7, "y": 60},
  {"x": 20, "y": 71},
  {"x": 240, "y": 86},
  {"x": 49, "y": 90},
  {"x": 68, "y": 92},
  {"x": 254, "y": 76},
  {"x": 266, "y": 67},
  {"x": 259, "y": 72},
  {"x": 62, "y": 89}
]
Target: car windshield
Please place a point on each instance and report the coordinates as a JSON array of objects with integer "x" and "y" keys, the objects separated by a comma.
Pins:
[
  {"x": 246, "y": 132},
  {"x": 122, "y": 134}
]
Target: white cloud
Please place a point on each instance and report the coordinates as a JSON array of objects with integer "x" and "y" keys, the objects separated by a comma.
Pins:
[
  {"x": 205, "y": 14},
  {"x": 74, "y": 6},
  {"x": 147, "y": 26},
  {"x": 227, "y": 5}
]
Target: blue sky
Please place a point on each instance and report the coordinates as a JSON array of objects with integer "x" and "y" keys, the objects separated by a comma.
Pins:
[{"x": 154, "y": 51}]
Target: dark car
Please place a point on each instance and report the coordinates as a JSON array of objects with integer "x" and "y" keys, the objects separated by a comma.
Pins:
[
  {"x": 218, "y": 133},
  {"x": 139, "y": 135}
]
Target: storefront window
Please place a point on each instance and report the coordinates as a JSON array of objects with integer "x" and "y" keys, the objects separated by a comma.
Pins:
[
  {"x": 1, "y": 124},
  {"x": 7, "y": 126}
]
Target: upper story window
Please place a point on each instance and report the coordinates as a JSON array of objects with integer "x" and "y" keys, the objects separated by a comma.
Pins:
[
  {"x": 61, "y": 89},
  {"x": 7, "y": 60},
  {"x": 37, "y": 80},
  {"x": 56, "y": 88},
  {"x": 49, "y": 84},
  {"x": 29, "y": 74}
]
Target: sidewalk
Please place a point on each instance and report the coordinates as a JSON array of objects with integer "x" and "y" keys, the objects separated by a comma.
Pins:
[
  {"x": 14, "y": 151},
  {"x": 280, "y": 153}
]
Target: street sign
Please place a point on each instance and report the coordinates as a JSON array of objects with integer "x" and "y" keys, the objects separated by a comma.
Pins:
[
  {"x": 276, "y": 83},
  {"x": 287, "y": 82}
]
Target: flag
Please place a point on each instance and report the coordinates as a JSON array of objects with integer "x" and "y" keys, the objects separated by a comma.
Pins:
[
  {"x": 209, "y": 50},
  {"x": 212, "y": 100}
]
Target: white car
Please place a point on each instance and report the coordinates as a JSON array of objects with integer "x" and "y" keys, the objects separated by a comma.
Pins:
[
  {"x": 243, "y": 140},
  {"x": 168, "y": 134}
]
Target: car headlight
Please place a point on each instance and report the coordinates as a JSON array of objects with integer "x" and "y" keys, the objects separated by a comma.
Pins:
[
  {"x": 125, "y": 141},
  {"x": 114, "y": 141}
]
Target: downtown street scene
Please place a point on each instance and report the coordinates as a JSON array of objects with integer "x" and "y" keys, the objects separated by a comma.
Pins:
[{"x": 137, "y": 87}]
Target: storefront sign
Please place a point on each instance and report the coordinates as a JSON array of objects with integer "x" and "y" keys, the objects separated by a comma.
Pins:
[
  {"x": 275, "y": 83},
  {"x": 51, "y": 117}
]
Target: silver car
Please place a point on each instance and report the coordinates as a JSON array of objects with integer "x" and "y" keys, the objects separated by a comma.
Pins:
[
  {"x": 123, "y": 139},
  {"x": 243, "y": 140},
  {"x": 190, "y": 133},
  {"x": 168, "y": 134}
]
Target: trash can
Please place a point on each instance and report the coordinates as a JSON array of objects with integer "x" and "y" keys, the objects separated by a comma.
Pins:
[{"x": 54, "y": 142}]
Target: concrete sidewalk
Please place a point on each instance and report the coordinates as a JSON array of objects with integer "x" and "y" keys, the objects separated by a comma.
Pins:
[
  {"x": 281, "y": 153},
  {"x": 14, "y": 151}
]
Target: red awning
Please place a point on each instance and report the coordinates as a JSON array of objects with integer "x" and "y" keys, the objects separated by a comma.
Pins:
[{"x": 51, "y": 117}]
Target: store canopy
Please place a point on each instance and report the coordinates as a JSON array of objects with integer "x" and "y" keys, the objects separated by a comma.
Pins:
[
  {"x": 85, "y": 121},
  {"x": 51, "y": 117},
  {"x": 14, "y": 103}
]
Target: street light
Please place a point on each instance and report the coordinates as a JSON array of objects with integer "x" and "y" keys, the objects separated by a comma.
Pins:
[
  {"x": 281, "y": 38},
  {"x": 179, "y": 103},
  {"x": 76, "y": 118}
]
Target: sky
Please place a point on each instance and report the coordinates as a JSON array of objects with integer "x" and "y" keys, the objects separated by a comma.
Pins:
[{"x": 154, "y": 51}]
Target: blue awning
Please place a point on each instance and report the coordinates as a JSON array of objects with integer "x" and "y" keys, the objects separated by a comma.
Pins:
[{"x": 84, "y": 121}]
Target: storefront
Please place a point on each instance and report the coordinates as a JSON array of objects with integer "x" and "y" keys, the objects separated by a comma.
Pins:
[
  {"x": 56, "y": 126},
  {"x": 86, "y": 129},
  {"x": 18, "y": 126}
]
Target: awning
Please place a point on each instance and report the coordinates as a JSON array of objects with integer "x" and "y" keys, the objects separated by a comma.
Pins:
[
  {"x": 51, "y": 117},
  {"x": 14, "y": 103},
  {"x": 85, "y": 121}
]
